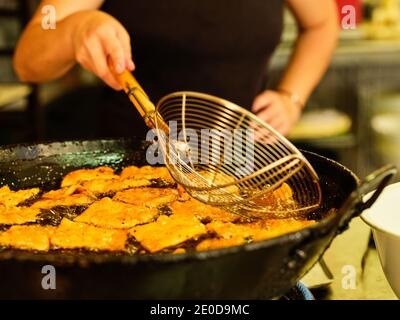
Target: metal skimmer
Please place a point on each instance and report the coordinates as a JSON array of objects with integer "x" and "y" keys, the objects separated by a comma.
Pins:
[{"x": 225, "y": 156}]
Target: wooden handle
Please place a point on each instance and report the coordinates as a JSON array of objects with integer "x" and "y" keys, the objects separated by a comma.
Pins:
[
  {"x": 128, "y": 81},
  {"x": 135, "y": 93},
  {"x": 125, "y": 79},
  {"x": 139, "y": 98}
]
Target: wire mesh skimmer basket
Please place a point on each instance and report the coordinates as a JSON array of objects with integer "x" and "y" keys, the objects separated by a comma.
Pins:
[{"x": 225, "y": 156}]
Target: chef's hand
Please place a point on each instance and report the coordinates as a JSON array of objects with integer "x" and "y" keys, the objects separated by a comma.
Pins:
[
  {"x": 96, "y": 36},
  {"x": 277, "y": 109}
]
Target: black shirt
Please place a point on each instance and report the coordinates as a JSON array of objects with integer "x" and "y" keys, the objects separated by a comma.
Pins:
[{"x": 220, "y": 47}]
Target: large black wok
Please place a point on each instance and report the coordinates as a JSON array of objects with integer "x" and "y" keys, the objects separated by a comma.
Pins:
[{"x": 259, "y": 270}]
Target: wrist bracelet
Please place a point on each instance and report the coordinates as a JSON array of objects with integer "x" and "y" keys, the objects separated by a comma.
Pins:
[{"x": 294, "y": 97}]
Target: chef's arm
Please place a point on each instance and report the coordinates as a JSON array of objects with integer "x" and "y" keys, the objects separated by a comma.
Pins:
[
  {"x": 318, "y": 33},
  {"x": 45, "y": 54},
  {"x": 82, "y": 34}
]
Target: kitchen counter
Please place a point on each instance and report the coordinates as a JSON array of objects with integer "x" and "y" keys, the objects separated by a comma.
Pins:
[{"x": 352, "y": 249}]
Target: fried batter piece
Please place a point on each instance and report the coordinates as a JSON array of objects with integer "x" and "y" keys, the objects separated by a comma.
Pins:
[
  {"x": 113, "y": 214},
  {"x": 146, "y": 172},
  {"x": 17, "y": 215},
  {"x": 74, "y": 195},
  {"x": 82, "y": 175},
  {"x": 9, "y": 198},
  {"x": 31, "y": 237},
  {"x": 168, "y": 232},
  {"x": 230, "y": 234},
  {"x": 148, "y": 197},
  {"x": 218, "y": 243},
  {"x": 69, "y": 201},
  {"x": 63, "y": 193},
  {"x": 202, "y": 211},
  {"x": 220, "y": 179},
  {"x": 75, "y": 235},
  {"x": 283, "y": 193},
  {"x": 183, "y": 195},
  {"x": 104, "y": 186},
  {"x": 259, "y": 230},
  {"x": 179, "y": 251},
  {"x": 282, "y": 198}
]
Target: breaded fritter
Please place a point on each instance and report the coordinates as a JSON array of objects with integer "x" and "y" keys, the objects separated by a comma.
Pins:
[
  {"x": 66, "y": 192},
  {"x": 148, "y": 197},
  {"x": 168, "y": 232},
  {"x": 113, "y": 214},
  {"x": 17, "y": 215},
  {"x": 183, "y": 195},
  {"x": 218, "y": 243},
  {"x": 279, "y": 199},
  {"x": 230, "y": 234},
  {"x": 32, "y": 237},
  {"x": 220, "y": 179},
  {"x": 9, "y": 198},
  {"x": 202, "y": 211},
  {"x": 146, "y": 172},
  {"x": 69, "y": 201},
  {"x": 104, "y": 186},
  {"x": 82, "y": 175},
  {"x": 75, "y": 235}
]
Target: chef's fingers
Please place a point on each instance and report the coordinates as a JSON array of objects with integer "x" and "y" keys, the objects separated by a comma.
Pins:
[
  {"x": 114, "y": 49},
  {"x": 263, "y": 100},
  {"x": 100, "y": 67},
  {"x": 125, "y": 39}
]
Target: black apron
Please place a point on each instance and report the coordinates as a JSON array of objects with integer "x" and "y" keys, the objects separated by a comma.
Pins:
[{"x": 220, "y": 47}]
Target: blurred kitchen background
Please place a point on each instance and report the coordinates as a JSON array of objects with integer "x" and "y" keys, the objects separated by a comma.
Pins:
[{"x": 353, "y": 116}]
